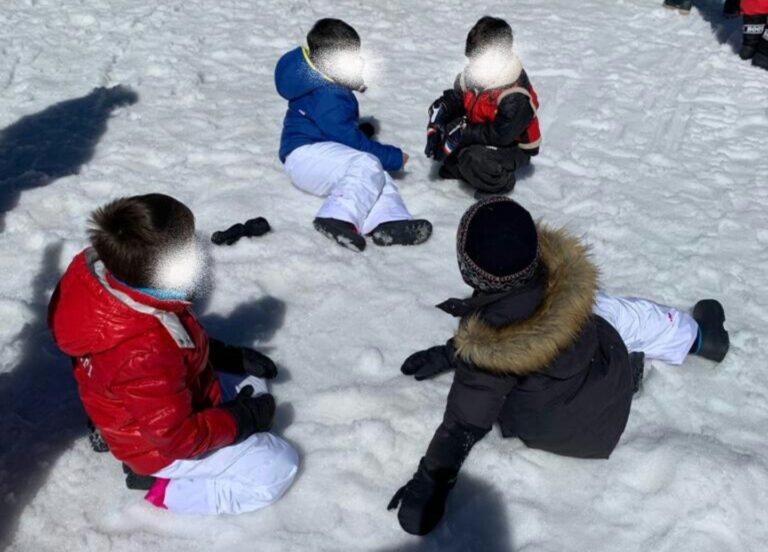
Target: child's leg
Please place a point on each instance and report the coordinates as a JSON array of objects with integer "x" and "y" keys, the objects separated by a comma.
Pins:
[
  {"x": 661, "y": 332},
  {"x": 388, "y": 208},
  {"x": 235, "y": 479},
  {"x": 352, "y": 181}
]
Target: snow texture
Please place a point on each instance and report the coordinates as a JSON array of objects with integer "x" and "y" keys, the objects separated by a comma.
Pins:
[{"x": 654, "y": 150}]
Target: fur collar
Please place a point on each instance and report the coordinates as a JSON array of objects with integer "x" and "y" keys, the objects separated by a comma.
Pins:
[{"x": 531, "y": 345}]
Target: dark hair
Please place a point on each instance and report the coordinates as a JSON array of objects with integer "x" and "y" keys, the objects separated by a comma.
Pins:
[
  {"x": 331, "y": 34},
  {"x": 488, "y": 31},
  {"x": 130, "y": 233}
]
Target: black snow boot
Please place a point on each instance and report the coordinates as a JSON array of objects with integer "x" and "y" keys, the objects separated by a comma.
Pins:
[
  {"x": 402, "y": 232},
  {"x": 761, "y": 57},
  {"x": 637, "y": 365},
  {"x": 732, "y": 8},
  {"x": 683, "y": 6},
  {"x": 136, "y": 482},
  {"x": 98, "y": 444},
  {"x": 754, "y": 27},
  {"x": 712, "y": 342},
  {"x": 343, "y": 233},
  {"x": 422, "y": 501}
]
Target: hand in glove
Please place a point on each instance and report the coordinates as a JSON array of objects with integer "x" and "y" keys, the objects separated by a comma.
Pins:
[
  {"x": 422, "y": 501},
  {"x": 430, "y": 362},
  {"x": 442, "y": 110},
  {"x": 453, "y": 135},
  {"x": 258, "y": 364},
  {"x": 252, "y": 414}
]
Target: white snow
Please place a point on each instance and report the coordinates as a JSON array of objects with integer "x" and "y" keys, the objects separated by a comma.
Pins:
[{"x": 654, "y": 150}]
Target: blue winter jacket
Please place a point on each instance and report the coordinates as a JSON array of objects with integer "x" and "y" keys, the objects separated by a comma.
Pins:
[{"x": 319, "y": 110}]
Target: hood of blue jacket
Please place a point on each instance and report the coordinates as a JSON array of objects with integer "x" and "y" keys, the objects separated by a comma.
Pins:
[{"x": 294, "y": 77}]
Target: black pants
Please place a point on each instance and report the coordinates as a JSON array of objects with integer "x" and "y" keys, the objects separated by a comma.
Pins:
[{"x": 486, "y": 168}]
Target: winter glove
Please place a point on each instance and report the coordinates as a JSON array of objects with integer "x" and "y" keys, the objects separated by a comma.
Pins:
[
  {"x": 251, "y": 229},
  {"x": 422, "y": 501},
  {"x": 430, "y": 362},
  {"x": 368, "y": 128},
  {"x": 252, "y": 414},
  {"x": 240, "y": 360},
  {"x": 258, "y": 364},
  {"x": 453, "y": 135},
  {"x": 442, "y": 110}
]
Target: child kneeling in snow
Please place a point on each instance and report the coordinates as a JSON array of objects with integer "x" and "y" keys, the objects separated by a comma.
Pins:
[
  {"x": 327, "y": 154},
  {"x": 170, "y": 403},
  {"x": 540, "y": 350},
  {"x": 486, "y": 127}
]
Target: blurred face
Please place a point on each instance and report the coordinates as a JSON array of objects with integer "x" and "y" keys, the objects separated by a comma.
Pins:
[
  {"x": 345, "y": 66},
  {"x": 181, "y": 267},
  {"x": 486, "y": 65}
]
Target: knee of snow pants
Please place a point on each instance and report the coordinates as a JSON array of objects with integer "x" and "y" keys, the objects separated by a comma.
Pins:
[{"x": 490, "y": 169}]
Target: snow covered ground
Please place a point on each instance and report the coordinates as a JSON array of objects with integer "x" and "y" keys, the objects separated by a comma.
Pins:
[{"x": 655, "y": 138}]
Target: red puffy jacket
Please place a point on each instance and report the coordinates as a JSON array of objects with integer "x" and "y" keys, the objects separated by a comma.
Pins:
[
  {"x": 754, "y": 7},
  {"x": 141, "y": 366}
]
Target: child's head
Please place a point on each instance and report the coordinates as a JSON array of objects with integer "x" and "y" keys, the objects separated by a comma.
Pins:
[
  {"x": 497, "y": 246},
  {"x": 489, "y": 33},
  {"x": 134, "y": 235},
  {"x": 334, "y": 47}
]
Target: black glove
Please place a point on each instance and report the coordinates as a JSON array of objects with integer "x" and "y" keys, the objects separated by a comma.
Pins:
[
  {"x": 258, "y": 364},
  {"x": 368, "y": 128},
  {"x": 429, "y": 363},
  {"x": 252, "y": 414},
  {"x": 444, "y": 109},
  {"x": 422, "y": 501},
  {"x": 251, "y": 229},
  {"x": 452, "y": 137}
]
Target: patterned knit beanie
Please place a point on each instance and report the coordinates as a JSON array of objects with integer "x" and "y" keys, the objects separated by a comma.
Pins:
[{"x": 497, "y": 246}]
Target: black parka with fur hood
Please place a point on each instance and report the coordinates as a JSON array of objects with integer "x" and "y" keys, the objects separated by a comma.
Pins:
[{"x": 541, "y": 364}]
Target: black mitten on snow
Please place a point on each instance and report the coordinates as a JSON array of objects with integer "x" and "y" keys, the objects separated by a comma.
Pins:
[
  {"x": 368, "y": 128},
  {"x": 258, "y": 364},
  {"x": 252, "y": 414},
  {"x": 430, "y": 362},
  {"x": 422, "y": 500},
  {"x": 252, "y": 228},
  {"x": 239, "y": 360}
]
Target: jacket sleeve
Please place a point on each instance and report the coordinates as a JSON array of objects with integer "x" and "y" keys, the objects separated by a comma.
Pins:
[
  {"x": 513, "y": 118},
  {"x": 338, "y": 118},
  {"x": 153, "y": 388},
  {"x": 474, "y": 404}
]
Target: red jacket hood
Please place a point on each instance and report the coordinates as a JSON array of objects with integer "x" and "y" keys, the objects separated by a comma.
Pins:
[{"x": 88, "y": 311}]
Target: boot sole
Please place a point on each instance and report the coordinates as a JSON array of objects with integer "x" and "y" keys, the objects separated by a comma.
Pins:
[
  {"x": 413, "y": 234},
  {"x": 353, "y": 243}
]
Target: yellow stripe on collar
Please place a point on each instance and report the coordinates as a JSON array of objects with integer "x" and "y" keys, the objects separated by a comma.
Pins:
[{"x": 312, "y": 65}]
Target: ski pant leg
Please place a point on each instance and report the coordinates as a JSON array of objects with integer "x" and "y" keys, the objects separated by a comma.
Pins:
[
  {"x": 353, "y": 183},
  {"x": 236, "y": 479},
  {"x": 490, "y": 169},
  {"x": 661, "y": 332}
]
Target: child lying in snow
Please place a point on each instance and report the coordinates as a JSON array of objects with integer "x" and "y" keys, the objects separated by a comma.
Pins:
[
  {"x": 169, "y": 402},
  {"x": 486, "y": 127},
  {"x": 540, "y": 350},
  {"x": 325, "y": 152}
]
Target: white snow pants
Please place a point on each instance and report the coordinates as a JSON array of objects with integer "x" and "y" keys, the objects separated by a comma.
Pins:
[
  {"x": 235, "y": 479},
  {"x": 356, "y": 187},
  {"x": 662, "y": 333}
]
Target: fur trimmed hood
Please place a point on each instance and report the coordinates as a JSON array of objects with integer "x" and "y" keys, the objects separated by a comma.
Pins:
[{"x": 531, "y": 345}]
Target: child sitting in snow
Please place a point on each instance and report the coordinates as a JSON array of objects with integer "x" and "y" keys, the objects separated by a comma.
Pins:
[
  {"x": 172, "y": 404},
  {"x": 486, "y": 127},
  {"x": 327, "y": 154},
  {"x": 540, "y": 350},
  {"x": 755, "y": 39}
]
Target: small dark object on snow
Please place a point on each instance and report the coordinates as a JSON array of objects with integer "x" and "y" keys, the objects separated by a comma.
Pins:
[
  {"x": 367, "y": 128},
  {"x": 136, "y": 482},
  {"x": 98, "y": 444},
  {"x": 423, "y": 501},
  {"x": 252, "y": 228},
  {"x": 683, "y": 6},
  {"x": 637, "y": 364},
  {"x": 343, "y": 233},
  {"x": 402, "y": 232},
  {"x": 713, "y": 342}
]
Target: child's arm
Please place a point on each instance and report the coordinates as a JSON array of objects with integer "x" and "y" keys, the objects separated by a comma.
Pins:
[
  {"x": 338, "y": 119},
  {"x": 153, "y": 388},
  {"x": 512, "y": 119}
]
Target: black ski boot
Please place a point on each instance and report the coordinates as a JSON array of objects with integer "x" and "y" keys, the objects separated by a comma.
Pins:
[
  {"x": 683, "y": 6},
  {"x": 343, "y": 233},
  {"x": 637, "y": 365},
  {"x": 761, "y": 57},
  {"x": 754, "y": 27},
  {"x": 732, "y": 8},
  {"x": 98, "y": 444},
  {"x": 712, "y": 342},
  {"x": 136, "y": 482},
  {"x": 402, "y": 232}
]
